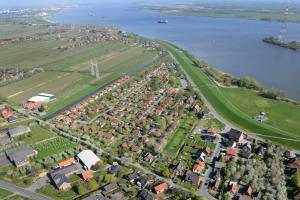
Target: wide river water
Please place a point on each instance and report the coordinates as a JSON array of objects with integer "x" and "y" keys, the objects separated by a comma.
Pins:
[{"x": 231, "y": 45}]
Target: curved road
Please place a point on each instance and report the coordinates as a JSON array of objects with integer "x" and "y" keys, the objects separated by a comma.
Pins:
[{"x": 22, "y": 191}]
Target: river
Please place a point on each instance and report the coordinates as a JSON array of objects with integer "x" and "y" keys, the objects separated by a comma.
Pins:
[{"x": 231, "y": 45}]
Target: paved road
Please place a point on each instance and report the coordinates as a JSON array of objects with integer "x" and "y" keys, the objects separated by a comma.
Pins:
[
  {"x": 22, "y": 191},
  {"x": 39, "y": 183}
]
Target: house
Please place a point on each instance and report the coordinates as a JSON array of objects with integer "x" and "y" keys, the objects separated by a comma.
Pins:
[
  {"x": 220, "y": 165},
  {"x": 115, "y": 169},
  {"x": 179, "y": 170},
  {"x": 229, "y": 143},
  {"x": 294, "y": 164},
  {"x": 245, "y": 154},
  {"x": 142, "y": 182},
  {"x": 87, "y": 175},
  {"x": 231, "y": 152},
  {"x": 17, "y": 131},
  {"x": 192, "y": 178},
  {"x": 235, "y": 135},
  {"x": 207, "y": 150},
  {"x": 68, "y": 170},
  {"x": 290, "y": 154},
  {"x": 66, "y": 162},
  {"x": 4, "y": 139},
  {"x": 249, "y": 191},
  {"x": 200, "y": 156},
  {"x": 20, "y": 155},
  {"x": 132, "y": 177},
  {"x": 148, "y": 158},
  {"x": 12, "y": 118},
  {"x": 198, "y": 167},
  {"x": 160, "y": 188},
  {"x": 88, "y": 159},
  {"x": 259, "y": 151},
  {"x": 111, "y": 187},
  {"x": 212, "y": 131},
  {"x": 233, "y": 187},
  {"x": 147, "y": 195},
  {"x": 60, "y": 181}
]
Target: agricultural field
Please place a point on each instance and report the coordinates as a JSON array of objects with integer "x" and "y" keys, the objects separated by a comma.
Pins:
[
  {"x": 65, "y": 59},
  {"x": 52, "y": 146},
  {"x": 240, "y": 111},
  {"x": 37, "y": 135}
]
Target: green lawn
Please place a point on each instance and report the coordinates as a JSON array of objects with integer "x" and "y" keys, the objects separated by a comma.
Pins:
[
  {"x": 52, "y": 146},
  {"x": 4, "y": 193},
  {"x": 179, "y": 135},
  {"x": 211, "y": 123},
  {"x": 229, "y": 110},
  {"x": 50, "y": 191},
  {"x": 37, "y": 134}
]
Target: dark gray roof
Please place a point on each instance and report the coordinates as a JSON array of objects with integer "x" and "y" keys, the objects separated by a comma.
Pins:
[
  {"x": 220, "y": 165},
  {"x": 58, "y": 179},
  {"x": 115, "y": 169},
  {"x": 66, "y": 170},
  {"x": 245, "y": 154},
  {"x": 20, "y": 154},
  {"x": 16, "y": 131},
  {"x": 143, "y": 181},
  {"x": 110, "y": 187},
  {"x": 146, "y": 195},
  {"x": 132, "y": 176},
  {"x": 4, "y": 139},
  {"x": 234, "y": 134},
  {"x": 192, "y": 178}
]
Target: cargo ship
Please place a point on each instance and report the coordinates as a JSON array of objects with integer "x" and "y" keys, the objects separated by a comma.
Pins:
[{"x": 163, "y": 21}]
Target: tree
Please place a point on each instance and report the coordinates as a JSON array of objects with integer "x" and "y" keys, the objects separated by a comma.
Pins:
[
  {"x": 296, "y": 179},
  {"x": 93, "y": 185},
  {"x": 166, "y": 172},
  {"x": 80, "y": 189},
  {"x": 108, "y": 178}
]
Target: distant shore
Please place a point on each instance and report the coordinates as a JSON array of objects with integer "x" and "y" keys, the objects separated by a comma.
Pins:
[{"x": 293, "y": 45}]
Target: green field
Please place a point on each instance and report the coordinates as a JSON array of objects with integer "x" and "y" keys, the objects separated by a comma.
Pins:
[
  {"x": 271, "y": 14},
  {"x": 37, "y": 134},
  {"x": 53, "y": 146},
  {"x": 284, "y": 133},
  {"x": 50, "y": 191},
  {"x": 67, "y": 73},
  {"x": 177, "y": 138},
  {"x": 4, "y": 193}
]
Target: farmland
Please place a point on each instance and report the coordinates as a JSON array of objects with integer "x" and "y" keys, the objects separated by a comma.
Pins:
[
  {"x": 281, "y": 134},
  {"x": 65, "y": 61},
  {"x": 53, "y": 146}
]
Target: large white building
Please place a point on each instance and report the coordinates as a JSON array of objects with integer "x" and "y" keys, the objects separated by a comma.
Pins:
[
  {"x": 88, "y": 158},
  {"x": 42, "y": 97}
]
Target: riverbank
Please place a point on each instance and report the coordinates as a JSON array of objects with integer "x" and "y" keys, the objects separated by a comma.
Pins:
[
  {"x": 293, "y": 45},
  {"x": 239, "y": 106},
  {"x": 219, "y": 12}
]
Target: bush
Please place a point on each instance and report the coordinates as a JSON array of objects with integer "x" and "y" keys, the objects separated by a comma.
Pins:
[
  {"x": 93, "y": 185},
  {"x": 273, "y": 94},
  {"x": 80, "y": 190},
  {"x": 249, "y": 83}
]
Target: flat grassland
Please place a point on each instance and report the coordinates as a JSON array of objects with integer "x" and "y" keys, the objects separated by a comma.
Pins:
[
  {"x": 66, "y": 73},
  {"x": 239, "y": 107}
]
